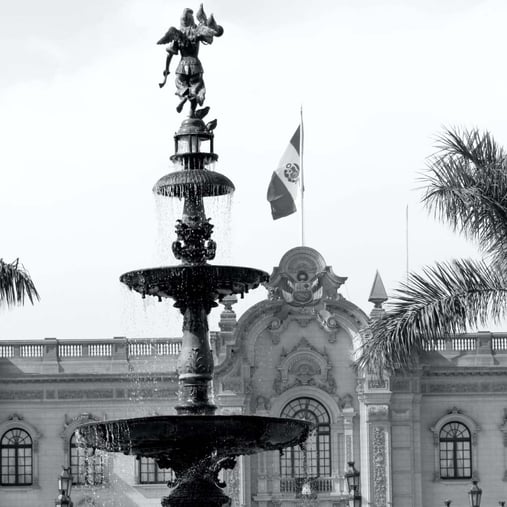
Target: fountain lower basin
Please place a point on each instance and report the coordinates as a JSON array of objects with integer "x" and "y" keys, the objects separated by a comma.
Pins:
[{"x": 174, "y": 436}]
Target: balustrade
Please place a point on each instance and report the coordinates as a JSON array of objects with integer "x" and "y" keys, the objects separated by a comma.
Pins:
[{"x": 68, "y": 350}]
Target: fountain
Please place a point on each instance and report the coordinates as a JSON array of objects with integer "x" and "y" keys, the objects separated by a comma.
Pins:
[{"x": 196, "y": 444}]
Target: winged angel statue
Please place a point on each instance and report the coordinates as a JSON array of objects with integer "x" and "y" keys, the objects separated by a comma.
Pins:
[{"x": 185, "y": 41}]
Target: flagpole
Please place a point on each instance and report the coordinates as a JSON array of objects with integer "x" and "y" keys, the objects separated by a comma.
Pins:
[
  {"x": 406, "y": 242},
  {"x": 302, "y": 181}
]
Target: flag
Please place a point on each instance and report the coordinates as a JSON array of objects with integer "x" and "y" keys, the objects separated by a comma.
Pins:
[{"x": 283, "y": 188}]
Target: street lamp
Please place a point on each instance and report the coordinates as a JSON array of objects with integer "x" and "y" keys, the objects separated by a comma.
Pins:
[
  {"x": 474, "y": 495},
  {"x": 64, "y": 486},
  {"x": 353, "y": 484}
]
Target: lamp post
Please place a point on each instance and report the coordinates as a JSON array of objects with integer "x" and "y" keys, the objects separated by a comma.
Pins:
[
  {"x": 474, "y": 495},
  {"x": 64, "y": 486},
  {"x": 354, "y": 486}
]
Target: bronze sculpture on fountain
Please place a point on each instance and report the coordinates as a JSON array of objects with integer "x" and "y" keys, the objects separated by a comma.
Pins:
[
  {"x": 195, "y": 443},
  {"x": 186, "y": 41}
]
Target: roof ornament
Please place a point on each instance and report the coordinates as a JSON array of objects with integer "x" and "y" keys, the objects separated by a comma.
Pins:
[{"x": 378, "y": 296}]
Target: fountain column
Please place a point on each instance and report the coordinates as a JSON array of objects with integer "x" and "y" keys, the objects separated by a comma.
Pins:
[{"x": 195, "y": 364}]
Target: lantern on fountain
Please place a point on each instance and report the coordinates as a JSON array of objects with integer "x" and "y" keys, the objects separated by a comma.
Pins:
[
  {"x": 193, "y": 144},
  {"x": 64, "y": 487},
  {"x": 474, "y": 495}
]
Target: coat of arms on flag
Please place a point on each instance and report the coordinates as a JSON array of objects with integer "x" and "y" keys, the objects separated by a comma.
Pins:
[{"x": 283, "y": 188}]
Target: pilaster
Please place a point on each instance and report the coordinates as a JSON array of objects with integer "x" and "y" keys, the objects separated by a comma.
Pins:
[{"x": 375, "y": 411}]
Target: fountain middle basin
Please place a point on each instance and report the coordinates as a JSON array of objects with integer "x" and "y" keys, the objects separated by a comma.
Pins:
[{"x": 204, "y": 282}]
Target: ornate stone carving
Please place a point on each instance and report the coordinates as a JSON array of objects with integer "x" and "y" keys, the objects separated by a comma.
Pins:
[
  {"x": 346, "y": 401},
  {"x": 71, "y": 394},
  {"x": 303, "y": 279},
  {"x": 348, "y": 448},
  {"x": 377, "y": 383},
  {"x": 262, "y": 403},
  {"x": 304, "y": 365},
  {"x": 21, "y": 395},
  {"x": 464, "y": 387},
  {"x": 379, "y": 467}
]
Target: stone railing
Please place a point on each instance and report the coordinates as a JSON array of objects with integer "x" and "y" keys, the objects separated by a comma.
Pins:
[
  {"x": 293, "y": 485},
  {"x": 67, "y": 350},
  {"x": 482, "y": 341}
]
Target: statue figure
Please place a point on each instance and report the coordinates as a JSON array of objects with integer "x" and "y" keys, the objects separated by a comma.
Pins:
[{"x": 189, "y": 81}]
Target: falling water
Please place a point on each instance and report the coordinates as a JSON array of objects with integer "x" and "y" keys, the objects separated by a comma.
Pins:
[{"x": 168, "y": 210}]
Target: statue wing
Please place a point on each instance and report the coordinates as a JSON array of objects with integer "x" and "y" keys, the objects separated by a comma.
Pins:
[
  {"x": 215, "y": 26},
  {"x": 201, "y": 16},
  {"x": 173, "y": 34},
  {"x": 208, "y": 27}
]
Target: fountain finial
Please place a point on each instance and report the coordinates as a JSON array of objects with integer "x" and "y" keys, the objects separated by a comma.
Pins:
[{"x": 186, "y": 41}]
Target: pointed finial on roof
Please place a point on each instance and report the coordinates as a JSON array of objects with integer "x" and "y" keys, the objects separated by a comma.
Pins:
[{"x": 378, "y": 294}]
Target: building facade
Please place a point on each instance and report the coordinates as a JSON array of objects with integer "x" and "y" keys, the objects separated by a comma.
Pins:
[{"x": 417, "y": 439}]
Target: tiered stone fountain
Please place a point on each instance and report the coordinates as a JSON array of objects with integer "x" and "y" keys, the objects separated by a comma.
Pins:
[{"x": 195, "y": 443}]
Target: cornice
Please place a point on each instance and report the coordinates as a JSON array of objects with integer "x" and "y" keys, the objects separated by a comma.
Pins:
[
  {"x": 465, "y": 371},
  {"x": 80, "y": 378}
]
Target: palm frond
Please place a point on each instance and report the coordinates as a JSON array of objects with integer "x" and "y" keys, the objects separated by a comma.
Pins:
[
  {"x": 447, "y": 298},
  {"x": 15, "y": 284},
  {"x": 467, "y": 188}
]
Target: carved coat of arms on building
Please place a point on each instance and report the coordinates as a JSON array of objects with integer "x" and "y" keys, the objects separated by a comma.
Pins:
[{"x": 303, "y": 279}]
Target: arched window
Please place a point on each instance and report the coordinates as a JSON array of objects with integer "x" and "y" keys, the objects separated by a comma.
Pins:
[
  {"x": 16, "y": 458},
  {"x": 86, "y": 465},
  {"x": 455, "y": 451},
  {"x": 314, "y": 460}
]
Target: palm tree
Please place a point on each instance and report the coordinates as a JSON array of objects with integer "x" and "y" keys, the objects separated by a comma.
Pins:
[
  {"x": 15, "y": 284},
  {"x": 466, "y": 187}
]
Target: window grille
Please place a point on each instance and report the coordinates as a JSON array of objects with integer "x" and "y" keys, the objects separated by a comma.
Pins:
[
  {"x": 16, "y": 458},
  {"x": 455, "y": 451},
  {"x": 314, "y": 460}
]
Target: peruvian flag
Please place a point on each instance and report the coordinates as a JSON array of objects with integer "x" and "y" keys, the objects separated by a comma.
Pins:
[{"x": 283, "y": 188}]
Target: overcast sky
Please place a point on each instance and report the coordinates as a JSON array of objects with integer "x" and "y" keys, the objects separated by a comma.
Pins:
[{"x": 85, "y": 132}]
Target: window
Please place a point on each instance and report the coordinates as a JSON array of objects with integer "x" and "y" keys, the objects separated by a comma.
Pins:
[
  {"x": 86, "y": 465},
  {"x": 455, "y": 451},
  {"x": 16, "y": 458},
  {"x": 314, "y": 460},
  {"x": 150, "y": 473}
]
